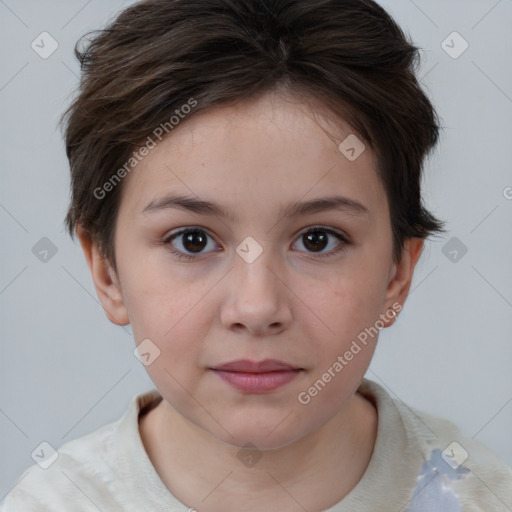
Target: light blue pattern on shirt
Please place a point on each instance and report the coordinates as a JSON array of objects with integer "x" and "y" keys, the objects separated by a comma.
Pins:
[{"x": 433, "y": 492}]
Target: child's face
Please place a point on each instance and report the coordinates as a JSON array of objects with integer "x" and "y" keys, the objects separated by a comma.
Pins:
[{"x": 302, "y": 301}]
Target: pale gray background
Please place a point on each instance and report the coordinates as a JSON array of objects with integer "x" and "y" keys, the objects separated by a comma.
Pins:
[{"x": 65, "y": 370}]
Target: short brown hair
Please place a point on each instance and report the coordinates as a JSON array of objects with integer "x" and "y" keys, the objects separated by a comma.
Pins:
[{"x": 157, "y": 54}]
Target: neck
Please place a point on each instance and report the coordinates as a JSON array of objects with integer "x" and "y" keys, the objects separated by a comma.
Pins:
[{"x": 313, "y": 473}]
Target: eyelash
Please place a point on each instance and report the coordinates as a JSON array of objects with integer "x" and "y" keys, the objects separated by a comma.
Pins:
[{"x": 344, "y": 241}]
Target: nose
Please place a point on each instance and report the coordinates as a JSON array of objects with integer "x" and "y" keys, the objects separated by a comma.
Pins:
[{"x": 257, "y": 299}]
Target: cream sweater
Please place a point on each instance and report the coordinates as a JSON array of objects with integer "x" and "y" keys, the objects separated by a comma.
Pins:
[{"x": 420, "y": 463}]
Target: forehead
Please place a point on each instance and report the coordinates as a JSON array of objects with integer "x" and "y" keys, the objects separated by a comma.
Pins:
[{"x": 273, "y": 149}]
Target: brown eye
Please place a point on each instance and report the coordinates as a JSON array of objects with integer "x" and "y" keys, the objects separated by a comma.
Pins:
[
  {"x": 194, "y": 241},
  {"x": 190, "y": 242},
  {"x": 316, "y": 240}
]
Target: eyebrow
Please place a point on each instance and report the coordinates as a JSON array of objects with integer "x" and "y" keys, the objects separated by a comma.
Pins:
[{"x": 295, "y": 209}]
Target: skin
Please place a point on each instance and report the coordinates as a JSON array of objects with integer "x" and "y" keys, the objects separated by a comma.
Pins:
[{"x": 289, "y": 304}]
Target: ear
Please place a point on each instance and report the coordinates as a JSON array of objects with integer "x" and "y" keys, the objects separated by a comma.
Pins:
[
  {"x": 105, "y": 280},
  {"x": 401, "y": 277}
]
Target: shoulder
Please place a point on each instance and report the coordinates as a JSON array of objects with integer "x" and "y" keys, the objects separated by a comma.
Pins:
[
  {"x": 82, "y": 475},
  {"x": 458, "y": 473},
  {"x": 55, "y": 483}
]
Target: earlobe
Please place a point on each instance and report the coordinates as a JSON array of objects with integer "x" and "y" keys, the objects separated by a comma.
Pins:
[{"x": 105, "y": 280}]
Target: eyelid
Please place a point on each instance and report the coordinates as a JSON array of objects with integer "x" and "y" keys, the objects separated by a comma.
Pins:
[
  {"x": 179, "y": 231},
  {"x": 327, "y": 229}
]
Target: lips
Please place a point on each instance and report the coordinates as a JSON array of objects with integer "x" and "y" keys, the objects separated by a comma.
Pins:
[{"x": 257, "y": 377}]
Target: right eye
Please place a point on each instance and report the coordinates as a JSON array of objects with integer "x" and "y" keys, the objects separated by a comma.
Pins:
[{"x": 189, "y": 242}]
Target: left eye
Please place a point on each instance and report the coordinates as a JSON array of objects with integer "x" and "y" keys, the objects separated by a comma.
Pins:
[{"x": 317, "y": 239}]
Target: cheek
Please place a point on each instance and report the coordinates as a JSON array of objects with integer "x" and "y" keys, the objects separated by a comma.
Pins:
[
  {"x": 172, "y": 314},
  {"x": 164, "y": 319},
  {"x": 349, "y": 306},
  {"x": 344, "y": 346},
  {"x": 348, "y": 303},
  {"x": 169, "y": 317},
  {"x": 153, "y": 306}
]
